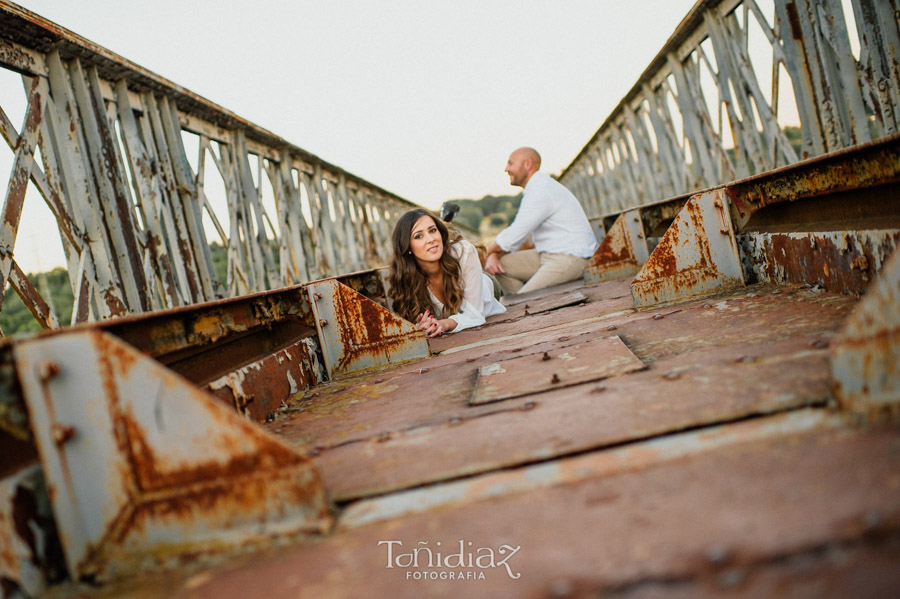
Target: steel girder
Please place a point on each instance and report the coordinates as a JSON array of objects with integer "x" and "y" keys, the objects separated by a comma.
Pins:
[
  {"x": 700, "y": 114},
  {"x": 104, "y": 142}
]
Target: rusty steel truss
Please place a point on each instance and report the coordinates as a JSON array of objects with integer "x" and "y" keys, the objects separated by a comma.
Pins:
[
  {"x": 113, "y": 170},
  {"x": 705, "y": 112}
]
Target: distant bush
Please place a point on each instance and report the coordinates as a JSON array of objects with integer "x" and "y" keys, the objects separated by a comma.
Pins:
[
  {"x": 15, "y": 317},
  {"x": 497, "y": 209}
]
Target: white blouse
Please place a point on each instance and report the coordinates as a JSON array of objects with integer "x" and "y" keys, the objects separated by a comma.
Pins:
[{"x": 478, "y": 290}]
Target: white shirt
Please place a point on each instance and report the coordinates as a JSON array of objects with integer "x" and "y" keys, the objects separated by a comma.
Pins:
[
  {"x": 554, "y": 219},
  {"x": 478, "y": 290}
]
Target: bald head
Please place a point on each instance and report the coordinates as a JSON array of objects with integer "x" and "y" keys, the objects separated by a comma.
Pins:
[{"x": 522, "y": 163}]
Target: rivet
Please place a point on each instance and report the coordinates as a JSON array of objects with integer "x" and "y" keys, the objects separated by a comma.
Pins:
[
  {"x": 315, "y": 451},
  {"x": 385, "y": 436},
  {"x": 561, "y": 589},
  {"x": 717, "y": 203},
  {"x": 378, "y": 381},
  {"x": 818, "y": 344},
  {"x": 545, "y": 357},
  {"x": 454, "y": 420},
  {"x": 611, "y": 327},
  {"x": 658, "y": 316},
  {"x": 745, "y": 360},
  {"x": 516, "y": 350},
  {"x": 48, "y": 370},
  {"x": 671, "y": 376},
  {"x": 470, "y": 359},
  {"x": 724, "y": 231},
  {"x": 598, "y": 389},
  {"x": 563, "y": 338},
  {"x": 718, "y": 555},
  {"x": 323, "y": 322},
  {"x": 555, "y": 379},
  {"x": 62, "y": 433},
  {"x": 707, "y": 306},
  {"x": 732, "y": 578},
  {"x": 318, "y": 296},
  {"x": 873, "y": 520},
  {"x": 423, "y": 370},
  {"x": 528, "y": 405}
]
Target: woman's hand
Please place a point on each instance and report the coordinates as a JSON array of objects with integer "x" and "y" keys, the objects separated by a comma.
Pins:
[{"x": 432, "y": 326}]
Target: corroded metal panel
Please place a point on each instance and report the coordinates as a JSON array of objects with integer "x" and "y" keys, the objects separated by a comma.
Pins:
[
  {"x": 861, "y": 167},
  {"x": 30, "y": 557},
  {"x": 142, "y": 468},
  {"x": 621, "y": 252},
  {"x": 838, "y": 261},
  {"x": 623, "y": 458},
  {"x": 257, "y": 389},
  {"x": 743, "y": 497},
  {"x": 536, "y": 306},
  {"x": 358, "y": 334},
  {"x": 572, "y": 365},
  {"x": 865, "y": 356},
  {"x": 749, "y": 353},
  {"x": 674, "y": 393},
  {"x": 170, "y": 332},
  {"x": 697, "y": 255}
]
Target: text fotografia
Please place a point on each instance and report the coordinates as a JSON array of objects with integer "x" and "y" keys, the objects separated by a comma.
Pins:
[{"x": 434, "y": 562}]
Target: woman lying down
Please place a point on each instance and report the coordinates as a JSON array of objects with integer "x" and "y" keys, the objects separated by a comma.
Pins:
[{"x": 437, "y": 283}]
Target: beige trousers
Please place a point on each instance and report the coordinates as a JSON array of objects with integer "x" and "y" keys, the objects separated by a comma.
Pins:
[{"x": 528, "y": 270}]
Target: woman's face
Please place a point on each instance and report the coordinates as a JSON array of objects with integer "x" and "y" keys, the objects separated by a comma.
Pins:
[{"x": 425, "y": 240}]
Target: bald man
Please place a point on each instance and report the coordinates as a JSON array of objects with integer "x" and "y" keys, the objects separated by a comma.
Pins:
[{"x": 553, "y": 218}]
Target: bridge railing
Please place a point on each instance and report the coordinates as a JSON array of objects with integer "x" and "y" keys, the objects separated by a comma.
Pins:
[
  {"x": 104, "y": 143},
  {"x": 713, "y": 104}
]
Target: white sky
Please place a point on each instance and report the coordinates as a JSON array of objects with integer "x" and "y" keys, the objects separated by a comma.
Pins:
[{"x": 425, "y": 99}]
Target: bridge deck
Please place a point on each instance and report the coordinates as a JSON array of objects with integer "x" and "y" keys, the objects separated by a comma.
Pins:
[{"x": 719, "y": 465}]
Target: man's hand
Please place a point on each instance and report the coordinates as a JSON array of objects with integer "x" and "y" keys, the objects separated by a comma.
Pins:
[{"x": 492, "y": 265}]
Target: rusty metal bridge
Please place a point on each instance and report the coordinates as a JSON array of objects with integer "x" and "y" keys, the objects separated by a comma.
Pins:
[{"x": 711, "y": 411}]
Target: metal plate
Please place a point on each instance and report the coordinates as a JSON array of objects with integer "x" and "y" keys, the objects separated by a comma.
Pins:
[
  {"x": 357, "y": 334},
  {"x": 697, "y": 255},
  {"x": 554, "y": 303},
  {"x": 601, "y": 522},
  {"x": 142, "y": 467},
  {"x": 865, "y": 356},
  {"x": 590, "y": 361},
  {"x": 261, "y": 387},
  {"x": 621, "y": 252},
  {"x": 675, "y": 393},
  {"x": 30, "y": 556},
  {"x": 839, "y": 261}
]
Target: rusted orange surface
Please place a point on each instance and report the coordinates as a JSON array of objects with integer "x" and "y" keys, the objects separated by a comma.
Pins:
[
  {"x": 733, "y": 511},
  {"x": 588, "y": 360},
  {"x": 724, "y": 459}
]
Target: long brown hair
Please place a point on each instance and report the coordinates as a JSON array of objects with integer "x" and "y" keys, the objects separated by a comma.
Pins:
[{"x": 409, "y": 285}]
